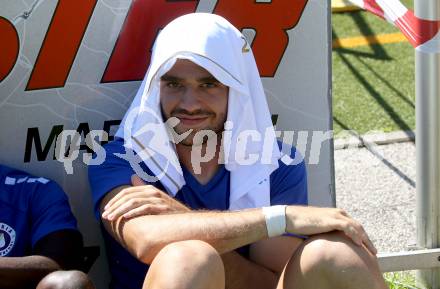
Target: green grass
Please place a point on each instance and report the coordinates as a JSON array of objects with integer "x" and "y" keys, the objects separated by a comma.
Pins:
[
  {"x": 401, "y": 280},
  {"x": 373, "y": 89},
  {"x": 373, "y": 86}
]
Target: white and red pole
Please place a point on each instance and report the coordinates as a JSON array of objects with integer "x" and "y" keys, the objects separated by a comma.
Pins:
[
  {"x": 428, "y": 137},
  {"x": 422, "y": 29}
]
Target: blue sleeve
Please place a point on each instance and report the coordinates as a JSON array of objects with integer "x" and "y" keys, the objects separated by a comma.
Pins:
[
  {"x": 112, "y": 173},
  {"x": 288, "y": 184},
  {"x": 50, "y": 211}
]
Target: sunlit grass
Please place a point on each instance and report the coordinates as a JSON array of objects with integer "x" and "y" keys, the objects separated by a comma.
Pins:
[
  {"x": 373, "y": 86},
  {"x": 401, "y": 280}
]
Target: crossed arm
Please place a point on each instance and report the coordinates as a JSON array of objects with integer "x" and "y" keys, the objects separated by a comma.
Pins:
[
  {"x": 144, "y": 220},
  {"x": 138, "y": 204},
  {"x": 145, "y": 235}
]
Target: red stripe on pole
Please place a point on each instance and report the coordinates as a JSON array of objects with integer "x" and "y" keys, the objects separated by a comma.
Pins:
[
  {"x": 374, "y": 8},
  {"x": 418, "y": 31}
]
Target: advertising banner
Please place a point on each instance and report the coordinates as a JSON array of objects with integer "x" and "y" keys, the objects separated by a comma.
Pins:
[{"x": 69, "y": 66}]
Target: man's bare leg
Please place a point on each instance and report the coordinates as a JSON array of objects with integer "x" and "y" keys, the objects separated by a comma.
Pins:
[
  {"x": 331, "y": 261},
  {"x": 186, "y": 265},
  {"x": 267, "y": 259},
  {"x": 241, "y": 273},
  {"x": 323, "y": 261}
]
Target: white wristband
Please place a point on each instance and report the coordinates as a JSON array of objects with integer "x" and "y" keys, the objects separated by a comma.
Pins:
[{"x": 275, "y": 220}]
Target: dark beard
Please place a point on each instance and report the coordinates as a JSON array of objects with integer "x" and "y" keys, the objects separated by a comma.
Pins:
[{"x": 189, "y": 140}]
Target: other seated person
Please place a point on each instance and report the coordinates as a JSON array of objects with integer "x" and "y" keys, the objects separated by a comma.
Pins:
[
  {"x": 40, "y": 245},
  {"x": 207, "y": 214}
]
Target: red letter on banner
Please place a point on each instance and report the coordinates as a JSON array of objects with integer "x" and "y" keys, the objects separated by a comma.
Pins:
[
  {"x": 131, "y": 55},
  {"x": 10, "y": 47},
  {"x": 61, "y": 44},
  {"x": 270, "y": 21}
]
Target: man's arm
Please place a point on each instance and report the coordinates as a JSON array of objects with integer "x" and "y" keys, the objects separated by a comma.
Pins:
[
  {"x": 56, "y": 251},
  {"x": 25, "y": 272},
  {"x": 144, "y": 236},
  {"x": 240, "y": 272}
]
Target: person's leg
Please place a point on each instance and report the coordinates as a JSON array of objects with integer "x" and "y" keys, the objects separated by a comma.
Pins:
[
  {"x": 331, "y": 261},
  {"x": 66, "y": 280},
  {"x": 186, "y": 265}
]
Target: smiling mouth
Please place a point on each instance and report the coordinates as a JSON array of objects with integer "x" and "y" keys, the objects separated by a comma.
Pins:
[{"x": 191, "y": 120}]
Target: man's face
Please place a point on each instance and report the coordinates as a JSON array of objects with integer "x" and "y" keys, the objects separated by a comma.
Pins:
[{"x": 190, "y": 93}]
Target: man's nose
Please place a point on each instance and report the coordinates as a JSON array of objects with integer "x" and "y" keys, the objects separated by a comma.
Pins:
[{"x": 190, "y": 100}]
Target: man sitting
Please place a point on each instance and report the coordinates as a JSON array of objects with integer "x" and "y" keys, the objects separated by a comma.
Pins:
[
  {"x": 38, "y": 235},
  {"x": 214, "y": 209}
]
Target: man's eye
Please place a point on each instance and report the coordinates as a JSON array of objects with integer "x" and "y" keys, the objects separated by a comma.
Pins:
[
  {"x": 173, "y": 84},
  {"x": 209, "y": 85}
]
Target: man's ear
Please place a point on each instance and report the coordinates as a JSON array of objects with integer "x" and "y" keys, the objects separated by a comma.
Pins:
[{"x": 137, "y": 181}]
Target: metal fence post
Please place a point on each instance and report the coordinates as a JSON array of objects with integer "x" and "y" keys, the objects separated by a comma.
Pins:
[{"x": 428, "y": 145}]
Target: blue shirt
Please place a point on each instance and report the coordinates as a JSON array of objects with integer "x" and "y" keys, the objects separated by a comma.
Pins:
[
  {"x": 30, "y": 208},
  {"x": 288, "y": 186}
]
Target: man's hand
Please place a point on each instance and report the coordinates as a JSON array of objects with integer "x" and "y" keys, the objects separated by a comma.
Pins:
[
  {"x": 313, "y": 220},
  {"x": 141, "y": 199}
]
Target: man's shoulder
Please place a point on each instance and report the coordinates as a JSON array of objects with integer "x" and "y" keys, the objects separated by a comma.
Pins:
[
  {"x": 13, "y": 177},
  {"x": 291, "y": 166},
  {"x": 115, "y": 151},
  {"x": 289, "y": 181},
  {"x": 116, "y": 145},
  {"x": 19, "y": 188},
  {"x": 290, "y": 156}
]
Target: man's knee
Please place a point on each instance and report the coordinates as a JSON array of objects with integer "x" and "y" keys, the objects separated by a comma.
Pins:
[
  {"x": 195, "y": 253},
  {"x": 335, "y": 253},
  {"x": 66, "y": 280},
  {"x": 186, "y": 264}
]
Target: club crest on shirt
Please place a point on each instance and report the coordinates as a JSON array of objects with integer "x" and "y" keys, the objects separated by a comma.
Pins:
[{"x": 7, "y": 239}]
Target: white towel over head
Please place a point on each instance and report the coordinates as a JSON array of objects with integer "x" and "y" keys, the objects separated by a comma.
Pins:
[{"x": 213, "y": 43}]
